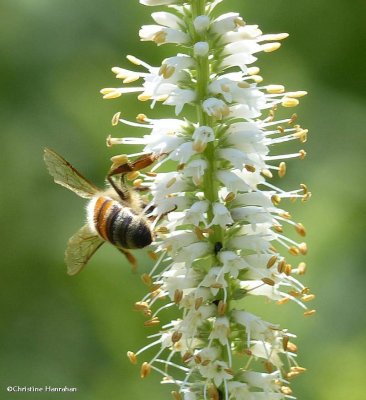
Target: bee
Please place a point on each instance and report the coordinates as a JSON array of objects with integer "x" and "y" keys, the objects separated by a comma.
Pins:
[{"x": 114, "y": 215}]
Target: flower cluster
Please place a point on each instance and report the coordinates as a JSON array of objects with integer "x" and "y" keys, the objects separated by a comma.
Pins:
[{"x": 217, "y": 218}]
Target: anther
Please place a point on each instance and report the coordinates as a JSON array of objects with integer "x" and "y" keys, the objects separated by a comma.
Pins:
[
  {"x": 300, "y": 229},
  {"x": 132, "y": 357},
  {"x": 268, "y": 281},
  {"x": 275, "y": 89},
  {"x": 250, "y": 168},
  {"x": 308, "y": 297},
  {"x": 176, "y": 336},
  {"x": 131, "y": 176},
  {"x": 309, "y": 313},
  {"x": 282, "y": 169},
  {"x": 302, "y": 154},
  {"x": 115, "y": 119},
  {"x": 286, "y": 390},
  {"x": 146, "y": 279},
  {"x": 271, "y": 262},
  {"x": 221, "y": 307},
  {"x": 276, "y": 199},
  {"x": 176, "y": 395},
  {"x": 145, "y": 370},
  {"x": 198, "y": 303},
  {"x": 278, "y": 228},
  {"x": 178, "y": 295},
  {"x": 303, "y": 248},
  {"x": 293, "y": 119},
  {"x": 289, "y": 102},
  {"x": 269, "y": 47},
  {"x": 141, "y": 118},
  {"x": 301, "y": 268},
  {"x": 294, "y": 250},
  {"x": 229, "y": 197},
  {"x": 267, "y": 173},
  {"x": 152, "y": 322}
]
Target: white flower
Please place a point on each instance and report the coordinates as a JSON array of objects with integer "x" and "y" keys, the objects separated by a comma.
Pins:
[
  {"x": 214, "y": 212},
  {"x": 201, "y": 49},
  {"x": 216, "y": 107},
  {"x": 222, "y": 215}
]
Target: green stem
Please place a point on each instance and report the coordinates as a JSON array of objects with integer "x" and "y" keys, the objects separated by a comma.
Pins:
[{"x": 203, "y": 77}]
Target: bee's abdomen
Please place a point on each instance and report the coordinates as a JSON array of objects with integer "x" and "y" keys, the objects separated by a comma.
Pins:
[{"x": 120, "y": 225}]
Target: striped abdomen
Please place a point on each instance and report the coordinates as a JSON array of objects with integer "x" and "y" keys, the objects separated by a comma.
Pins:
[{"x": 119, "y": 225}]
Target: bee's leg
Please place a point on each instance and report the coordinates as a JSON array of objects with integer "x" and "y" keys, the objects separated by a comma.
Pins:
[
  {"x": 123, "y": 194},
  {"x": 130, "y": 257}
]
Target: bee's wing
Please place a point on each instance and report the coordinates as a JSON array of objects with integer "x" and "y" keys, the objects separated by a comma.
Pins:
[
  {"x": 66, "y": 175},
  {"x": 80, "y": 247}
]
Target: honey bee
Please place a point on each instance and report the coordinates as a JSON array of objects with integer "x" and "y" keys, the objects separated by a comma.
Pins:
[{"x": 114, "y": 214}]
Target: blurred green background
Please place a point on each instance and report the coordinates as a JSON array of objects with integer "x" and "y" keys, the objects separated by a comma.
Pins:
[{"x": 55, "y": 57}]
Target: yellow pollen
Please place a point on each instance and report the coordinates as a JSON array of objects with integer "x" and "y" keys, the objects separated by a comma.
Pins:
[
  {"x": 276, "y": 199},
  {"x": 268, "y": 367},
  {"x": 133, "y": 60},
  {"x": 178, "y": 295},
  {"x": 285, "y": 215},
  {"x": 269, "y": 47},
  {"x": 137, "y": 182},
  {"x": 268, "y": 281},
  {"x": 289, "y": 102},
  {"x": 281, "y": 266},
  {"x": 221, "y": 307},
  {"x": 162, "y": 229},
  {"x": 308, "y": 297},
  {"x": 292, "y": 347},
  {"x": 253, "y": 71},
  {"x": 152, "y": 255},
  {"x": 145, "y": 370},
  {"x": 162, "y": 97},
  {"x": 309, "y": 313},
  {"x": 302, "y": 154},
  {"x": 293, "y": 119},
  {"x": 152, "y": 174},
  {"x": 286, "y": 390},
  {"x": 303, "y": 248},
  {"x": 132, "y": 357},
  {"x": 283, "y": 301},
  {"x": 288, "y": 269},
  {"x": 275, "y": 89},
  {"x": 239, "y": 22},
  {"x": 198, "y": 303},
  {"x": 249, "y": 168},
  {"x": 300, "y": 229},
  {"x": 169, "y": 71},
  {"x": 278, "y": 228},
  {"x": 152, "y": 322},
  {"x": 144, "y": 97},
  {"x": 267, "y": 173},
  {"x": 131, "y": 78},
  {"x": 281, "y": 129},
  {"x": 282, "y": 169},
  {"x": 159, "y": 37},
  {"x": 230, "y": 197},
  {"x": 146, "y": 278},
  {"x": 257, "y": 78},
  {"x": 113, "y": 94},
  {"x": 115, "y": 119},
  {"x": 119, "y": 160},
  {"x": 176, "y": 395},
  {"x": 225, "y": 88},
  {"x": 301, "y": 268},
  {"x": 176, "y": 336},
  {"x": 294, "y": 251},
  {"x": 141, "y": 306},
  {"x": 171, "y": 183},
  {"x": 243, "y": 85},
  {"x": 271, "y": 262},
  {"x": 141, "y": 118},
  {"x": 132, "y": 175},
  {"x": 296, "y": 95}
]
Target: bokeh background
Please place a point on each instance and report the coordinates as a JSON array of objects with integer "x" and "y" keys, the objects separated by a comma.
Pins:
[{"x": 55, "y": 57}]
